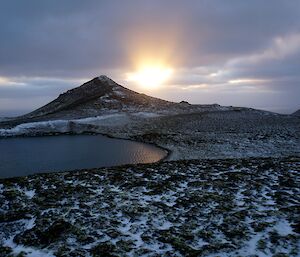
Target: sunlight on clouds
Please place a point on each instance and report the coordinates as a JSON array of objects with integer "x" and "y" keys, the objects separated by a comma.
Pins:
[
  {"x": 153, "y": 54},
  {"x": 4, "y": 81},
  {"x": 248, "y": 81},
  {"x": 151, "y": 77},
  {"x": 218, "y": 73},
  {"x": 193, "y": 87}
]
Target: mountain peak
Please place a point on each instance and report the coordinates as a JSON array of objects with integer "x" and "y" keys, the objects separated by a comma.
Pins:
[
  {"x": 105, "y": 79},
  {"x": 97, "y": 96}
]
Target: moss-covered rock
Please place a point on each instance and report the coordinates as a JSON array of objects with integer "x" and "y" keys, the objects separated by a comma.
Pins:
[{"x": 105, "y": 249}]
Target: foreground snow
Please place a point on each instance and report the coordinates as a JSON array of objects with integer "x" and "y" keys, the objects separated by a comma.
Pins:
[{"x": 240, "y": 207}]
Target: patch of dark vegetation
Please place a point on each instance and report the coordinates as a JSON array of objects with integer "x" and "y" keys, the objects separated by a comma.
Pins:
[{"x": 44, "y": 234}]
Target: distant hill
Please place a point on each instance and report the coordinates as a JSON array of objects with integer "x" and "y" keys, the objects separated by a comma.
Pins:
[
  {"x": 99, "y": 95},
  {"x": 296, "y": 113}
]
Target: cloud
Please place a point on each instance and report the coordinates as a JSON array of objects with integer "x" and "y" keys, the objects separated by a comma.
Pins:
[
  {"x": 280, "y": 48},
  {"x": 8, "y": 82},
  {"x": 50, "y": 46}
]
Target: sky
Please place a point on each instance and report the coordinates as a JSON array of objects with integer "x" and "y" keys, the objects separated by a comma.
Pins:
[{"x": 240, "y": 53}]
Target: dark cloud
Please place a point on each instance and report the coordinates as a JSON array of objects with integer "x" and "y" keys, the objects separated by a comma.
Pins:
[{"x": 82, "y": 39}]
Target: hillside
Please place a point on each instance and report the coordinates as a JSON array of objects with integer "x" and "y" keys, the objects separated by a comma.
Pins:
[
  {"x": 97, "y": 96},
  {"x": 296, "y": 113}
]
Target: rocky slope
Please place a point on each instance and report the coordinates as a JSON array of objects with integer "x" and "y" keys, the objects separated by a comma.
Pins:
[{"x": 96, "y": 96}]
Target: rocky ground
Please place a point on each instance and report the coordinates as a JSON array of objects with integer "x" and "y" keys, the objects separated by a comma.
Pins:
[
  {"x": 223, "y": 134},
  {"x": 233, "y": 207}
]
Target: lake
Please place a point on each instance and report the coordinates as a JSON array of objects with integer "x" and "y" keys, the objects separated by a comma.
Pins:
[{"x": 29, "y": 155}]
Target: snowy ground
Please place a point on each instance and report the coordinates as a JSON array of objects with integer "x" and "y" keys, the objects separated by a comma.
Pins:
[
  {"x": 233, "y": 207},
  {"x": 62, "y": 126}
]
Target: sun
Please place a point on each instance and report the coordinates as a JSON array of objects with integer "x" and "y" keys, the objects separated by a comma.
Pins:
[{"x": 151, "y": 77}]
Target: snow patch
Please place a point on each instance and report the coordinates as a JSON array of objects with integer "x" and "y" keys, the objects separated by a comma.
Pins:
[
  {"x": 30, "y": 193},
  {"x": 116, "y": 118},
  {"x": 147, "y": 114},
  {"x": 283, "y": 228},
  {"x": 29, "y": 252},
  {"x": 59, "y": 125}
]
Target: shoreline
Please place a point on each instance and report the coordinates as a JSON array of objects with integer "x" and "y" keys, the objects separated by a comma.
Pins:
[
  {"x": 233, "y": 142},
  {"x": 165, "y": 158}
]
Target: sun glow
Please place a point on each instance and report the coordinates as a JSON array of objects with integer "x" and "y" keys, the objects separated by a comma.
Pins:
[{"x": 151, "y": 77}]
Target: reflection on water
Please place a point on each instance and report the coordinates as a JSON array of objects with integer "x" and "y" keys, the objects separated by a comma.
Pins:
[{"x": 23, "y": 156}]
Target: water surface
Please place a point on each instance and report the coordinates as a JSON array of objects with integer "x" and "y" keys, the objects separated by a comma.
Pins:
[{"x": 29, "y": 155}]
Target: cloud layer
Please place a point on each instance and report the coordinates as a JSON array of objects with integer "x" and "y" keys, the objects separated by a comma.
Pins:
[{"x": 238, "y": 53}]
